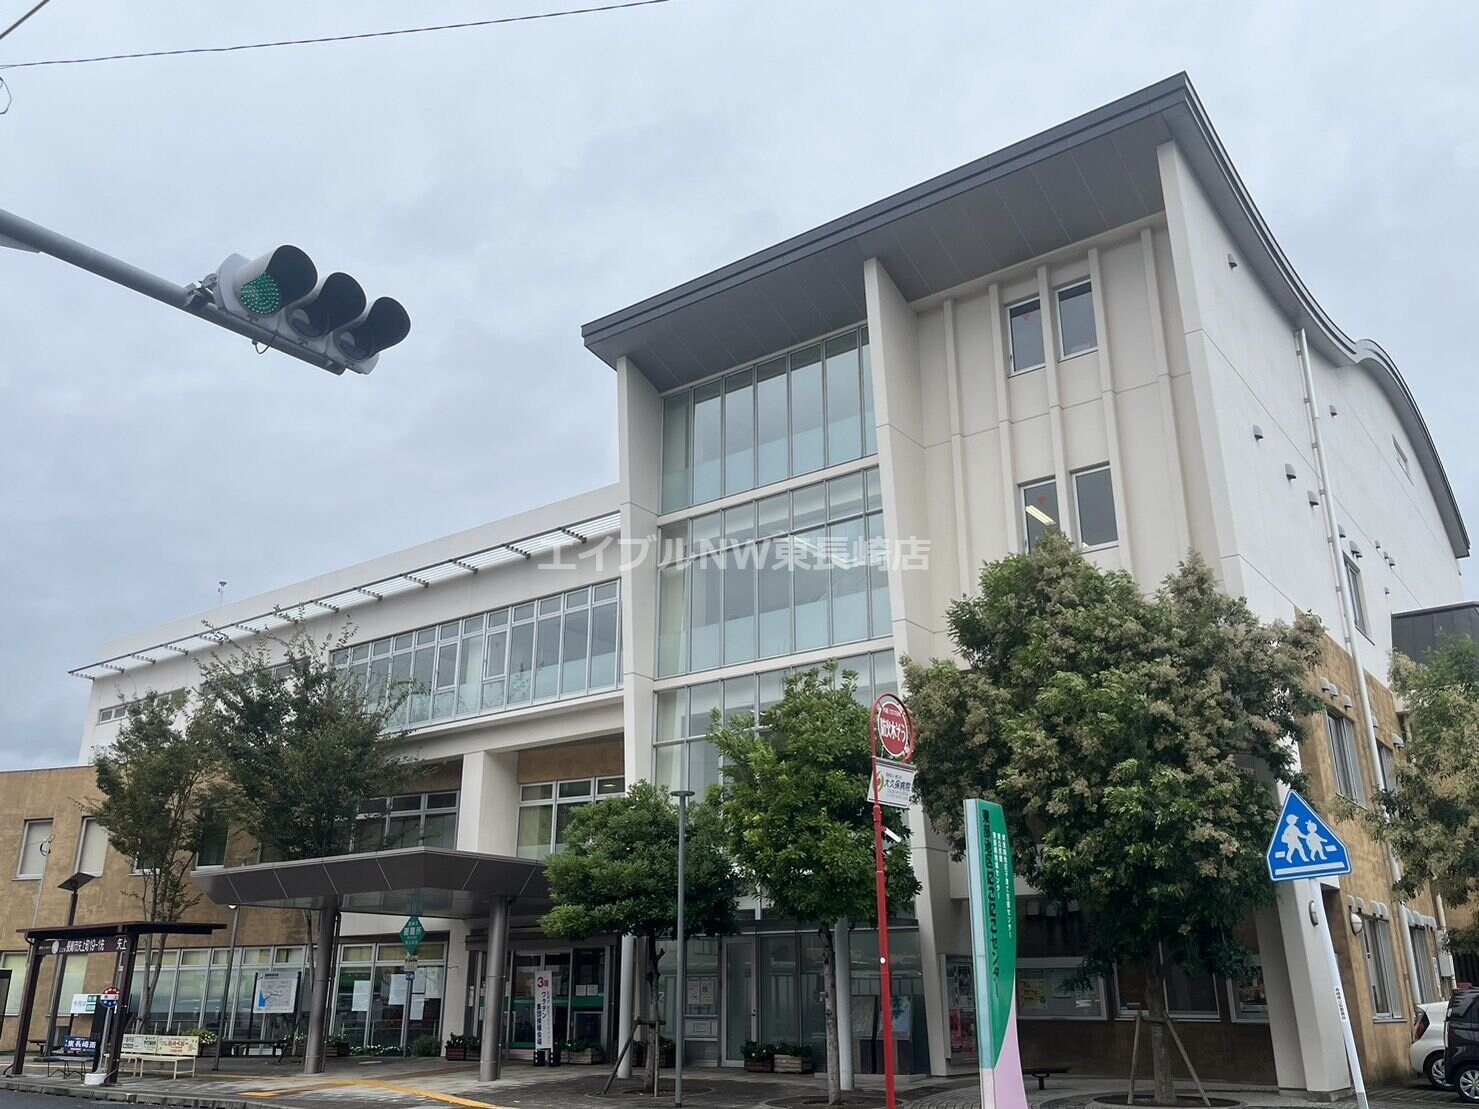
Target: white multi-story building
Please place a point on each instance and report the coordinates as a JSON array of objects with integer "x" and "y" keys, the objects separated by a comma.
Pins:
[{"x": 1092, "y": 329}]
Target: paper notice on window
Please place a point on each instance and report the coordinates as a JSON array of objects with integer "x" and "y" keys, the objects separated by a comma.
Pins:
[
  {"x": 398, "y": 989},
  {"x": 418, "y": 1007},
  {"x": 360, "y": 1003}
]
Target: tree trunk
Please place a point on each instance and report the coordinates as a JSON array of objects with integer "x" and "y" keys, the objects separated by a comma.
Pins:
[
  {"x": 653, "y": 1037},
  {"x": 829, "y": 993},
  {"x": 152, "y": 966},
  {"x": 1160, "y": 1040}
]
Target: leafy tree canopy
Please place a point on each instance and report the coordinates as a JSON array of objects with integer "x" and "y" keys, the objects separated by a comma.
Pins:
[
  {"x": 1431, "y": 817},
  {"x": 301, "y": 743}
]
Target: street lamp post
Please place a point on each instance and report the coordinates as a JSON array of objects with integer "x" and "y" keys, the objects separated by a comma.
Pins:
[
  {"x": 227, "y": 1000},
  {"x": 682, "y": 795},
  {"x": 71, "y": 885}
]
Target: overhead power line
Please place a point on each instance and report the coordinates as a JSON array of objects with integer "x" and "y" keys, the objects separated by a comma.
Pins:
[
  {"x": 324, "y": 39},
  {"x": 23, "y": 18}
]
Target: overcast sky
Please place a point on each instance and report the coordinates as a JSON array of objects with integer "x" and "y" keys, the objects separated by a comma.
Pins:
[{"x": 510, "y": 183}]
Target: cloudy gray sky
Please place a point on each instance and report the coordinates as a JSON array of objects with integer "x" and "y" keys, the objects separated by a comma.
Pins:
[{"x": 510, "y": 183}]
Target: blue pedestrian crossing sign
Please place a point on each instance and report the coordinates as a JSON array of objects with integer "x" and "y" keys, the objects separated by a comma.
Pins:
[{"x": 1304, "y": 846}]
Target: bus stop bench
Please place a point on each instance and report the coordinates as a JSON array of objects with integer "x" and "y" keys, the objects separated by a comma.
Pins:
[
  {"x": 1041, "y": 1074},
  {"x": 139, "y": 1058},
  {"x": 65, "y": 1065},
  {"x": 233, "y": 1048}
]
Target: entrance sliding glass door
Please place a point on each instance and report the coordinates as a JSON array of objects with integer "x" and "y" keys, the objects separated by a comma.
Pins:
[{"x": 740, "y": 1012}]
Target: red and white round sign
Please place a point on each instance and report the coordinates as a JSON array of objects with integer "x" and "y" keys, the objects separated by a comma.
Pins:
[{"x": 893, "y": 729}]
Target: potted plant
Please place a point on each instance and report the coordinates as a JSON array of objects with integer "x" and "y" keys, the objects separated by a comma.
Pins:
[
  {"x": 337, "y": 1047},
  {"x": 583, "y": 1053},
  {"x": 793, "y": 1059},
  {"x": 206, "y": 1038},
  {"x": 461, "y": 1048},
  {"x": 759, "y": 1058},
  {"x": 297, "y": 1044},
  {"x": 666, "y": 1052}
]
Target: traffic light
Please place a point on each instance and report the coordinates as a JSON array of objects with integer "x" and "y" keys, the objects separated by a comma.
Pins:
[{"x": 281, "y": 292}]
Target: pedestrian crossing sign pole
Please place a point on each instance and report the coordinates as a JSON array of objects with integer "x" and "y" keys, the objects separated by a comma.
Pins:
[{"x": 1305, "y": 849}]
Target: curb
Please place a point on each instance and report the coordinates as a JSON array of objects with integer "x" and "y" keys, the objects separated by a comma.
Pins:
[{"x": 131, "y": 1097}]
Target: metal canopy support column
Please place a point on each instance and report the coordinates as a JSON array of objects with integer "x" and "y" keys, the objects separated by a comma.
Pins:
[
  {"x": 488, "y": 1059},
  {"x": 123, "y": 979},
  {"x": 28, "y": 1001},
  {"x": 323, "y": 968}
]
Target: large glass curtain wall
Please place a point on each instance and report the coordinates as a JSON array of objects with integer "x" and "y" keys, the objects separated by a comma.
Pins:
[
  {"x": 373, "y": 999},
  {"x": 790, "y": 415},
  {"x": 788, "y": 573},
  {"x": 685, "y": 759},
  {"x": 191, "y": 988},
  {"x": 563, "y": 645}
]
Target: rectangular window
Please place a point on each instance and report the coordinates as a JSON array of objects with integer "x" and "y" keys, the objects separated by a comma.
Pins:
[
  {"x": 1039, "y": 510},
  {"x": 870, "y": 421},
  {"x": 211, "y": 848},
  {"x": 1047, "y": 989},
  {"x": 1093, "y": 501},
  {"x": 675, "y": 471},
  {"x": 775, "y": 600},
  {"x": 574, "y": 652},
  {"x": 35, "y": 846},
  {"x": 1076, "y": 331},
  {"x": 15, "y": 962},
  {"x": 844, "y": 400},
  {"x": 1381, "y": 968},
  {"x": 1358, "y": 598},
  {"x": 772, "y": 423},
  {"x": 847, "y": 548},
  {"x": 92, "y": 847},
  {"x": 706, "y": 628},
  {"x": 708, "y": 440},
  {"x": 1025, "y": 319},
  {"x": 547, "y": 658},
  {"x": 605, "y": 646},
  {"x": 1422, "y": 955},
  {"x": 521, "y": 663},
  {"x": 739, "y": 604},
  {"x": 808, "y": 449},
  {"x": 1348, "y": 781},
  {"x": 672, "y": 638},
  {"x": 739, "y": 433},
  {"x": 1388, "y": 766},
  {"x": 813, "y": 623}
]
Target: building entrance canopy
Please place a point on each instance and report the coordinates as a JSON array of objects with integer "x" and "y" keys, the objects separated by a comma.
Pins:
[{"x": 425, "y": 881}]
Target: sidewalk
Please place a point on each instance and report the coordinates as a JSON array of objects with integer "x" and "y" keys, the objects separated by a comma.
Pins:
[{"x": 366, "y": 1083}]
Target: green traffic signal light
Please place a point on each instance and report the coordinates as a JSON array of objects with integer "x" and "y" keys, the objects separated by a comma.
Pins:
[{"x": 261, "y": 296}]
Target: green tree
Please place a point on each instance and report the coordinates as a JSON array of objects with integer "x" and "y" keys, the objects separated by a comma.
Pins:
[
  {"x": 797, "y": 822},
  {"x": 1429, "y": 818},
  {"x": 302, "y": 743},
  {"x": 160, "y": 794},
  {"x": 1133, "y": 742},
  {"x": 618, "y": 875}
]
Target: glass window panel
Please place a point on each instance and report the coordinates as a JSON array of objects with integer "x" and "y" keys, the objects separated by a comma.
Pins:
[
  {"x": 844, "y": 400},
  {"x": 606, "y": 591},
  {"x": 610, "y": 787},
  {"x": 498, "y": 619},
  {"x": 1358, "y": 597},
  {"x": 672, "y": 638},
  {"x": 739, "y": 604},
  {"x": 672, "y": 708},
  {"x": 879, "y": 615},
  {"x": 1076, "y": 320},
  {"x": 524, "y": 612},
  {"x": 739, "y": 524},
  {"x": 548, "y": 605},
  {"x": 1026, "y": 324},
  {"x": 361, "y": 652},
  {"x": 573, "y": 652},
  {"x": 807, "y": 448},
  {"x": 870, "y": 420},
  {"x": 536, "y": 827},
  {"x": 885, "y": 675},
  {"x": 860, "y": 668},
  {"x": 382, "y": 646},
  {"x": 703, "y": 766},
  {"x": 739, "y": 697},
  {"x": 850, "y": 601},
  {"x": 440, "y": 830},
  {"x": 675, "y": 433},
  {"x": 739, "y": 433},
  {"x": 1093, "y": 495},
  {"x": 493, "y": 695},
  {"x": 423, "y": 663},
  {"x": 450, "y": 631},
  {"x": 775, "y": 516},
  {"x": 1040, "y": 510},
  {"x": 446, "y": 800},
  {"x": 563, "y": 815},
  {"x": 426, "y": 636},
  {"x": 1190, "y": 991},
  {"x": 547, "y": 658},
  {"x": 772, "y": 423},
  {"x": 446, "y": 665},
  {"x": 809, "y": 507},
  {"x": 403, "y": 642},
  {"x": 605, "y": 653},
  {"x": 581, "y": 787},
  {"x": 702, "y": 701},
  {"x": 672, "y": 542},
  {"x": 874, "y": 490},
  {"x": 668, "y": 766},
  {"x": 379, "y": 680},
  {"x": 541, "y": 791},
  {"x": 775, "y": 598},
  {"x": 845, "y": 496},
  {"x": 496, "y": 660},
  {"x": 705, "y": 631},
  {"x": 707, "y": 531},
  {"x": 810, "y": 583},
  {"x": 521, "y": 664},
  {"x": 92, "y": 851},
  {"x": 772, "y": 688},
  {"x": 707, "y": 442},
  {"x": 577, "y": 598},
  {"x": 472, "y": 625}
]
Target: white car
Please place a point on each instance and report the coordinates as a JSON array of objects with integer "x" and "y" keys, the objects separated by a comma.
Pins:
[{"x": 1426, "y": 1052}]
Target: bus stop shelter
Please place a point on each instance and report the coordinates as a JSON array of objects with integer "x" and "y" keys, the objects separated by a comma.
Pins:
[
  {"x": 120, "y": 939},
  {"x": 430, "y": 881}
]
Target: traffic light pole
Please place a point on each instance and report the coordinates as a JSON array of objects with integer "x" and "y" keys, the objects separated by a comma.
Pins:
[{"x": 196, "y": 298}]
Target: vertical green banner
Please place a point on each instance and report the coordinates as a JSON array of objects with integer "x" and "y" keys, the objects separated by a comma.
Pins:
[{"x": 993, "y": 891}]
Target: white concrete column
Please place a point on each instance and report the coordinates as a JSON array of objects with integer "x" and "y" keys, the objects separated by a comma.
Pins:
[
  {"x": 488, "y": 806},
  {"x": 1316, "y": 1025},
  {"x": 1283, "y": 1020},
  {"x": 639, "y": 455},
  {"x": 842, "y": 954},
  {"x": 626, "y": 995}
]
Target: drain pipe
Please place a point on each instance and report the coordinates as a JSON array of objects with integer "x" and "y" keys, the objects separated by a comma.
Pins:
[{"x": 1348, "y": 625}]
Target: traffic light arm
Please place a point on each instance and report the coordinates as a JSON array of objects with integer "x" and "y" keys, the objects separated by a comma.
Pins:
[{"x": 196, "y": 298}]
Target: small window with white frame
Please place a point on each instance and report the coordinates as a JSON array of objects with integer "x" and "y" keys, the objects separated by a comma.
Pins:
[
  {"x": 1040, "y": 511},
  {"x": 92, "y": 847},
  {"x": 1381, "y": 969},
  {"x": 1024, "y": 320},
  {"x": 1249, "y": 997},
  {"x": 1358, "y": 597},
  {"x": 1077, "y": 332},
  {"x": 35, "y": 847},
  {"x": 1093, "y": 505}
]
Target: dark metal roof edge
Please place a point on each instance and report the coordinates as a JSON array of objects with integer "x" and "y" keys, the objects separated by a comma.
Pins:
[
  {"x": 1019, "y": 155},
  {"x": 1366, "y": 353},
  {"x": 1435, "y": 609}
]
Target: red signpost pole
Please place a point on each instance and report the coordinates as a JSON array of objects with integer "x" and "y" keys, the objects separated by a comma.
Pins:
[{"x": 885, "y": 969}]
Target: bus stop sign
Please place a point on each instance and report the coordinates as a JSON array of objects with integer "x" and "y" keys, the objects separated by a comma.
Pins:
[{"x": 412, "y": 934}]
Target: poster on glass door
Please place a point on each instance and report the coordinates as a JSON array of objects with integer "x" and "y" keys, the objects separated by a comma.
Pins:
[{"x": 544, "y": 1011}]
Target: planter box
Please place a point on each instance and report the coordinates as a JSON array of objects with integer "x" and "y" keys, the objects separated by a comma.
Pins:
[
  {"x": 585, "y": 1058},
  {"x": 639, "y": 1057},
  {"x": 457, "y": 1054},
  {"x": 793, "y": 1064},
  {"x": 338, "y": 1051},
  {"x": 760, "y": 1066}
]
